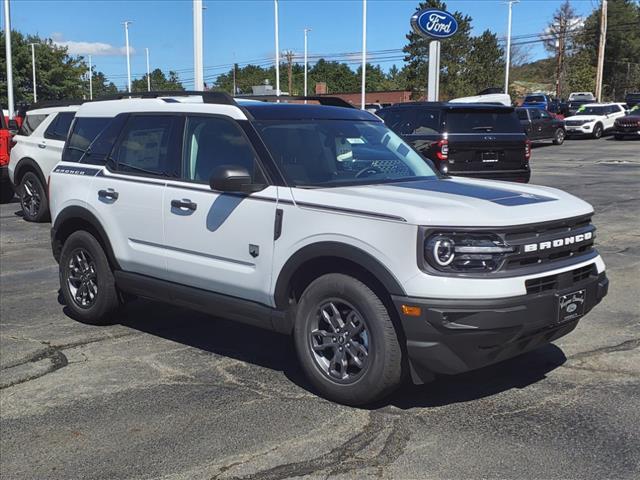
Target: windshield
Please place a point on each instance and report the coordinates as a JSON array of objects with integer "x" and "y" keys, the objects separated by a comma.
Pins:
[
  {"x": 324, "y": 153},
  {"x": 534, "y": 99},
  {"x": 590, "y": 111}
]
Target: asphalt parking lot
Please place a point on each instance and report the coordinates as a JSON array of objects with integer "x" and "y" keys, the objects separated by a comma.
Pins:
[{"x": 169, "y": 393}]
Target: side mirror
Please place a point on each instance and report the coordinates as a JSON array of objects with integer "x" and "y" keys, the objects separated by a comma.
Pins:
[
  {"x": 13, "y": 125},
  {"x": 233, "y": 178}
]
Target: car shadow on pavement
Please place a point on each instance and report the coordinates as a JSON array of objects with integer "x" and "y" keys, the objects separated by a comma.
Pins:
[
  {"x": 275, "y": 351},
  {"x": 519, "y": 372}
]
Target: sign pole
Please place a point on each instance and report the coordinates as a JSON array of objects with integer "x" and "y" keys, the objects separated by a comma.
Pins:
[
  {"x": 7, "y": 41},
  {"x": 433, "y": 80}
]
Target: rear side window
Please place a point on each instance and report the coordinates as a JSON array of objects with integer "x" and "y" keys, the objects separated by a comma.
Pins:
[
  {"x": 150, "y": 145},
  {"x": 535, "y": 114},
  {"x": 522, "y": 114},
  {"x": 31, "y": 122},
  {"x": 84, "y": 131},
  {"x": 59, "y": 127},
  {"x": 482, "y": 121}
]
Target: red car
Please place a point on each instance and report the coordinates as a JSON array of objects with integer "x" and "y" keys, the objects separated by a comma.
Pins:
[
  {"x": 6, "y": 190},
  {"x": 628, "y": 125}
]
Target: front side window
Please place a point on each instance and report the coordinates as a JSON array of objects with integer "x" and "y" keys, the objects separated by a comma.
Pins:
[
  {"x": 149, "y": 145},
  {"x": 31, "y": 122},
  {"x": 211, "y": 142},
  {"x": 59, "y": 127},
  {"x": 325, "y": 153},
  {"x": 544, "y": 114},
  {"x": 84, "y": 131}
]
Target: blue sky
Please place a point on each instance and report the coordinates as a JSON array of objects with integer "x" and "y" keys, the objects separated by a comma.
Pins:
[{"x": 242, "y": 30}]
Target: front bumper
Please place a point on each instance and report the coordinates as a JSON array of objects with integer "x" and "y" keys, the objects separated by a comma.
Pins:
[
  {"x": 455, "y": 336},
  {"x": 580, "y": 130}
]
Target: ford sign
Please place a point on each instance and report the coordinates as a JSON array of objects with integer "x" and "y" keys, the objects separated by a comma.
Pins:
[{"x": 434, "y": 23}]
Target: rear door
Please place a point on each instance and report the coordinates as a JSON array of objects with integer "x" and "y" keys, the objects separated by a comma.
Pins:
[
  {"x": 546, "y": 125},
  {"x": 537, "y": 125},
  {"x": 484, "y": 140},
  {"x": 50, "y": 147},
  {"x": 221, "y": 242},
  {"x": 127, "y": 194}
]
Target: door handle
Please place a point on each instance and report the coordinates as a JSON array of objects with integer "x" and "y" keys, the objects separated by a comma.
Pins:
[
  {"x": 184, "y": 204},
  {"x": 42, "y": 145},
  {"x": 109, "y": 193}
]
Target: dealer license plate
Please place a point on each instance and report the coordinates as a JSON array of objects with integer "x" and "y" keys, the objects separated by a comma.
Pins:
[{"x": 571, "y": 306}]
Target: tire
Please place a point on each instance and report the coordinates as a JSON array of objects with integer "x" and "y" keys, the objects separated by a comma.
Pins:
[
  {"x": 559, "y": 136},
  {"x": 33, "y": 198},
  {"x": 6, "y": 192},
  {"x": 83, "y": 258},
  {"x": 370, "y": 331},
  {"x": 597, "y": 131}
]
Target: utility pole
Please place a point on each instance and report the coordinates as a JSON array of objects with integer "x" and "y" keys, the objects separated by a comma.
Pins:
[
  {"x": 33, "y": 71},
  {"x": 90, "y": 79},
  {"x": 364, "y": 53},
  {"x": 560, "y": 45},
  {"x": 306, "y": 33},
  {"x": 289, "y": 56},
  {"x": 275, "y": 7},
  {"x": 235, "y": 88},
  {"x": 601, "y": 48},
  {"x": 198, "y": 68},
  {"x": 126, "y": 41},
  {"x": 7, "y": 43},
  {"x": 508, "y": 64},
  {"x": 148, "y": 73}
]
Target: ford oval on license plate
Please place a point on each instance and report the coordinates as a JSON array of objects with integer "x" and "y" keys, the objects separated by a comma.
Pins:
[{"x": 571, "y": 306}]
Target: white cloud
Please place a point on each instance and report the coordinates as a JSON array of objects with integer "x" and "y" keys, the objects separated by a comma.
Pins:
[{"x": 90, "y": 48}]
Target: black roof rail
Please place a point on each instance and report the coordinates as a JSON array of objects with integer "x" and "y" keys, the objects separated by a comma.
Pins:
[
  {"x": 322, "y": 100},
  {"x": 52, "y": 103},
  {"x": 221, "y": 98}
]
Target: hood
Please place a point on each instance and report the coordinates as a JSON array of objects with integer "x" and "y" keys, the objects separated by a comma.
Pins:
[
  {"x": 455, "y": 201},
  {"x": 588, "y": 118},
  {"x": 634, "y": 116}
]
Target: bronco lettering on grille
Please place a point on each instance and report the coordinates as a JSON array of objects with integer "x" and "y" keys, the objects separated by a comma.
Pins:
[{"x": 559, "y": 242}]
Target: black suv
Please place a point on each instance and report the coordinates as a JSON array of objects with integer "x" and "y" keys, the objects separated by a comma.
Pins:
[{"x": 467, "y": 139}]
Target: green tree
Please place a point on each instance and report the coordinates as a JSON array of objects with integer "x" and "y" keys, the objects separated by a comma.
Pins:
[
  {"x": 454, "y": 57},
  {"x": 338, "y": 76},
  {"x": 159, "y": 82},
  {"x": 58, "y": 75},
  {"x": 485, "y": 67},
  {"x": 102, "y": 87},
  {"x": 622, "y": 53}
]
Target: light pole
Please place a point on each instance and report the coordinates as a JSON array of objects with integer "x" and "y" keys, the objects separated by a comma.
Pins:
[
  {"x": 33, "y": 71},
  {"x": 198, "y": 68},
  {"x": 275, "y": 7},
  {"x": 364, "y": 51},
  {"x": 90, "y": 79},
  {"x": 508, "y": 65},
  {"x": 126, "y": 40},
  {"x": 306, "y": 32},
  {"x": 7, "y": 43},
  {"x": 148, "y": 74}
]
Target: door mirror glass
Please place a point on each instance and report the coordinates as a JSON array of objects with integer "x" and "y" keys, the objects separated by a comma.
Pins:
[
  {"x": 233, "y": 178},
  {"x": 13, "y": 125}
]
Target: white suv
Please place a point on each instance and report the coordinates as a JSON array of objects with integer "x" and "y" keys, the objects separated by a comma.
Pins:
[
  {"x": 594, "y": 119},
  {"x": 37, "y": 149},
  {"x": 316, "y": 221}
]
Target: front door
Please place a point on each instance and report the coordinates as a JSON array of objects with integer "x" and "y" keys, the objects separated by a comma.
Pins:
[{"x": 216, "y": 241}]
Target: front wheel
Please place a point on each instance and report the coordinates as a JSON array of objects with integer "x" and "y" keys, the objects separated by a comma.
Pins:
[
  {"x": 559, "y": 136},
  {"x": 86, "y": 280},
  {"x": 346, "y": 342},
  {"x": 33, "y": 198},
  {"x": 597, "y": 131}
]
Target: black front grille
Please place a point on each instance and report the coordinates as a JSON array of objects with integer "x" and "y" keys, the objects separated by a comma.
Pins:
[
  {"x": 560, "y": 280},
  {"x": 545, "y": 236}
]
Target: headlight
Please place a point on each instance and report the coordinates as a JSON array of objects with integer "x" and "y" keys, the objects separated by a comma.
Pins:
[{"x": 465, "y": 252}]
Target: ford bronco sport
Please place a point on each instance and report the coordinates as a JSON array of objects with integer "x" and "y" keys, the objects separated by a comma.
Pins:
[{"x": 320, "y": 222}]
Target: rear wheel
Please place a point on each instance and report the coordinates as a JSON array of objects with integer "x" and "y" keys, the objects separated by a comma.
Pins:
[
  {"x": 33, "y": 198},
  {"x": 346, "y": 342},
  {"x": 597, "y": 131},
  {"x": 86, "y": 280},
  {"x": 559, "y": 136}
]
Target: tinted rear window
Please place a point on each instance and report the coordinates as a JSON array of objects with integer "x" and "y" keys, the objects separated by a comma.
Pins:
[
  {"x": 59, "y": 127},
  {"x": 534, "y": 99},
  {"x": 522, "y": 114},
  {"x": 30, "y": 124},
  {"x": 84, "y": 131},
  {"x": 482, "y": 121},
  {"x": 412, "y": 121}
]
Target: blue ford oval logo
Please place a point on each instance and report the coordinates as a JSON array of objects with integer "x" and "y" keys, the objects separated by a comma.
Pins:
[{"x": 434, "y": 23}]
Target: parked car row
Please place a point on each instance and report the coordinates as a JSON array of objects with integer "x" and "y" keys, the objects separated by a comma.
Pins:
[{"x": 306, "y": 219}]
